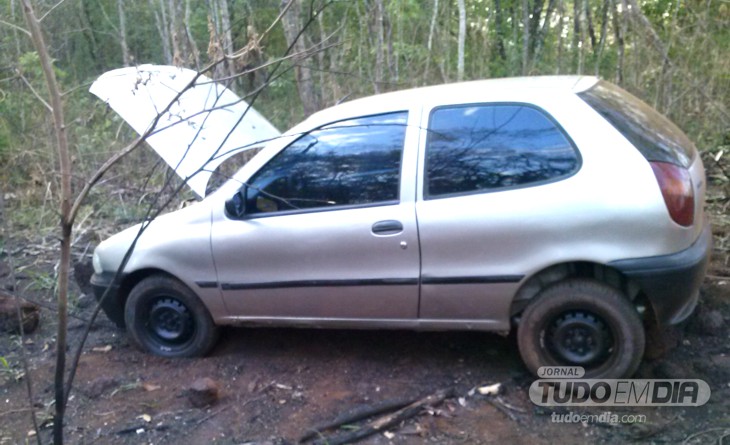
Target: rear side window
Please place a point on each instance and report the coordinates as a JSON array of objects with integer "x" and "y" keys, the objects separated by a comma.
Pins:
[
  {"x": 482, "y": 148},
  {"x": 655, "y": 136}
]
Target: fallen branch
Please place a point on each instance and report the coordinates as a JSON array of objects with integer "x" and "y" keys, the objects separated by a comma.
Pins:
[
  {"x": 383, "y": 423},
  {"x": 141, "y": 426},
  {"x": 504, "y": 408},
  {"x": 211, "y": 415},
  {"x": 354, "y": 415},
  {"x": 14, "y": 411}
]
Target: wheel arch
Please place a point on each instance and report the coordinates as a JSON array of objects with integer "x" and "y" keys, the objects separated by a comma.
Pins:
[
  {"x": 131, "y": 279},
  {"x": 575, "y": 269}
]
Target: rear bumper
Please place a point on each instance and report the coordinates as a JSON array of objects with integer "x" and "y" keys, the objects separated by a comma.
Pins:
[
  {"x": 104, "y": 283},
  {"x": 671, "y": 282}
]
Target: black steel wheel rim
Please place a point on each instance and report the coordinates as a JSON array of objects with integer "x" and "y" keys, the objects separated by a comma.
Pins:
[
  {"x": 170, "y": 322},
  {"x": 580, "y": 337}
]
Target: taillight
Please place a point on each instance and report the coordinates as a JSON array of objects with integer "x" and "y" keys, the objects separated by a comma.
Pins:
[{"x": 676, "y": 185}]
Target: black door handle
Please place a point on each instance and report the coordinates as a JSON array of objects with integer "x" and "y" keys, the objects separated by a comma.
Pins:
[{"x": 387, "y": 227}]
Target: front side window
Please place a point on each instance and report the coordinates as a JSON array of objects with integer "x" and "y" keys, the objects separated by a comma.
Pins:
[
  {"x": 481, "y": 148},
  {"x": 352, "y": 162}
]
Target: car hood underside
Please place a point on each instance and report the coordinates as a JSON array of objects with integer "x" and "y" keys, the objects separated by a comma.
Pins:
[{"x": 203, "y": 127}]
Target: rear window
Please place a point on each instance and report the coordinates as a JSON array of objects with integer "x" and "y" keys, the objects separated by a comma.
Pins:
[{"x": 655, "y": 136}]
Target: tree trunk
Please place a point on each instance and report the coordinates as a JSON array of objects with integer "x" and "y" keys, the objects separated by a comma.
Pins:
[
  {"x": 539, "y": 39},
  {"x": 525, "y": 37},
  {"x": 499, "y": 23},
  {"x": 303, "y": 75},
  {"x": 18, "y": 53},
  {"x": 64, "y": 268},
  {"x": 534, "y": 20},
  {"x": 462, "y": 41},
  {"x": 515, "y": 55},
  {"x": 189, "y": 36},
  {"x": 225, "y": 31},
  {"x": 602, "y": 39},
  {"x": 89, "y": 35},
  {"x": 561, "y": 26},
  {"x": 179, "y": 56},
  {"x": 399, "y": 39},
  {"x": 619, "y": 31},
  {"x": 429, "y": 44},
  {"x": 577, "y": 34},
  {"x": 377, "y": 16},
  {"x": 322, "y": 69},
  {"x": 589, "y": 23},
  {"x": 126, "y": 58},
  {"x": 163, "y": 29}
]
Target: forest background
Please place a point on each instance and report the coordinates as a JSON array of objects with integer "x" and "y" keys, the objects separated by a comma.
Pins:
[{"x": 671, "y": 53}]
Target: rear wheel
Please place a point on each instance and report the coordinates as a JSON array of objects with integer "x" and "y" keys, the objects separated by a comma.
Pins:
[
  {"x": 581, "y": 322},
  {"x": 166, "y": 318}
]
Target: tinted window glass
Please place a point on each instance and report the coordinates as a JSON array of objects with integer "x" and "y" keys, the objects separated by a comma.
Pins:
[
  {"x": 488, "y": 147},
  {"x": 347, "y": 163},
  {"x": 655, "y": 136}
]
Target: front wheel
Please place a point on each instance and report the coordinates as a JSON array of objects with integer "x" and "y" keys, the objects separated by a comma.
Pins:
[
  {"x": 581, "y": 322},
  {"x": 167, "y": 319}
]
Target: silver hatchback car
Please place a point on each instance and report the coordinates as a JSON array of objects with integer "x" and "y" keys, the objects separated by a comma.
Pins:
[{"x": 562, "y": 206}]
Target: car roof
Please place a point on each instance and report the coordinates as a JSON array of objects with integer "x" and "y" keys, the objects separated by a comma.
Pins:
[{"x": 398, "y": 100}]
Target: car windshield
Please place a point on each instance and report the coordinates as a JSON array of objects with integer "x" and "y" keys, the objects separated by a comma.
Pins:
[{"x": 655, "y": 136}]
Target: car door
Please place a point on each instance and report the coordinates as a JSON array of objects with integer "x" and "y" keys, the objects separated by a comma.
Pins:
[
  {"x": 329, "y": 230},
  {"x": 490, "y": 207}
]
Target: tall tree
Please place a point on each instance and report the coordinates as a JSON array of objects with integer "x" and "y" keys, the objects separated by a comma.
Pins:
[
  {"x": 126, "y": 58},
  {"x": 431, "y": 31},
  {"x": 66, "y": 221},
  {"x": 159, "y": 11},
  {"x": 499, "y": 27},
  {"x": 291, "y": 20},
  {"x": 525, "y": 37},
  {"x": 602, "y": 38},
  {"x": 619, "y": 29},
  {"x": 462, "y": 40}
]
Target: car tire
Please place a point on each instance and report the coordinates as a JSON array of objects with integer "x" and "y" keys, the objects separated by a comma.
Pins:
[
  {"x": 164, "y": 317},
  {"x": 582, "y": 322}
]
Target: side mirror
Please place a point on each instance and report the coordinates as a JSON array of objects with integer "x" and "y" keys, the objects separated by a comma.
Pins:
[{"x": 236, "y": 204}]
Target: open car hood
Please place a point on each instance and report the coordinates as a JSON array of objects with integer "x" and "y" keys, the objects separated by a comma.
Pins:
[{"x": 204, "y": 127}]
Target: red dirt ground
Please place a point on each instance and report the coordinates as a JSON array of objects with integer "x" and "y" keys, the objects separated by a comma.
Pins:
[{"x": 276, "y": 384}]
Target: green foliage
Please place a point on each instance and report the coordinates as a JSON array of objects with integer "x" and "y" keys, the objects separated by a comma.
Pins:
[
  {"x": 7, "y": 370},
  {"x": 367, "y": 52},
  {"x": 43, "y": 281}
]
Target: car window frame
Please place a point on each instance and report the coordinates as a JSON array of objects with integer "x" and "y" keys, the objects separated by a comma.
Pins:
[
  {"x": 424, "y": 183},
  {"x": 392, "y": 202}
]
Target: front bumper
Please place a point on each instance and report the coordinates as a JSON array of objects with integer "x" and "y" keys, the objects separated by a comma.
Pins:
[
  {"x": 104, "y": 284},
  {"x": 671, "y": 282}
]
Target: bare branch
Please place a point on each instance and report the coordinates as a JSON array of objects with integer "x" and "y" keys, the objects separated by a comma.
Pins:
[
  {"x": 76, "y": 88},
  {"x": 35, "y": 93},
  {"x": 16, "y": 27},
  {"x": 51, "y": 10}
]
